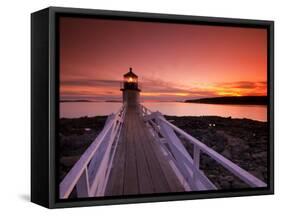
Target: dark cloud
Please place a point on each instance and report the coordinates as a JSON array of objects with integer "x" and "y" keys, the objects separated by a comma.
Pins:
[
  {"x": 150, "y": 85},
  {"x": 241, "y": 84},
  {"x": 159, "y": 86},
  {"x": 91, "y": 82}
]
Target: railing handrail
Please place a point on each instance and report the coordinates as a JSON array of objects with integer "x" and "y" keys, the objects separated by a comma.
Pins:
[
  {"x": 73, "y": 176},
  {"x": 226, "y": 163}
]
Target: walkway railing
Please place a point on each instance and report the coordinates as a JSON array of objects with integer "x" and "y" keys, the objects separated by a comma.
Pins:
[
  {"x": 90, "y": 173},
  {"x": 187, "y": 167}
]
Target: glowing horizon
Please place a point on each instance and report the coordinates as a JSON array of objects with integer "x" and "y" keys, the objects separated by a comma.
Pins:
[{"x": 174, "y": 62}]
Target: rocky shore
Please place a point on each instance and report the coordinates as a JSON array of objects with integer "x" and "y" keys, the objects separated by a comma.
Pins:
[
  {"x": 75, "y": 136},
  {"x": 243, "y": 141}
]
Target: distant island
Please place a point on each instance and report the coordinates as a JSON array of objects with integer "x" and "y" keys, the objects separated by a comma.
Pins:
[
  {"x": 65, "y": 101},
  {"x": 113, "y": 101},
  {"x": 242, "y": 100},
  {"x": 74, "y": 101}
]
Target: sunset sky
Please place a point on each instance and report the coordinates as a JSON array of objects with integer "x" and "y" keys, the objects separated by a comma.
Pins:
[{"x": 174, "y": 62}]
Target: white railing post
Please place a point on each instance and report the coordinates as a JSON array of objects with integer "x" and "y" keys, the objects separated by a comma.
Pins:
[
  {"x": 189, "y": 167},
  {"x": 100, "y": 181},
  {"x": 196, "y": 162},
  {"x": 92, "y": 167},
  {"x": 82, "y": 186},
  {"x": 180, "y": 155},
  {"x": 226, "y": 163},
  {"x": 95, "y": 162},
  {"x": 196, "y": 156}
]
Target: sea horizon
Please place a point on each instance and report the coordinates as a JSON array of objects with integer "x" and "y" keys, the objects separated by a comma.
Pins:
[{"x": 92, "y": 109}]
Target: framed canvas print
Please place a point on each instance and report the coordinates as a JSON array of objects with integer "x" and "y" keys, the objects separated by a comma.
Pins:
[{"x": 139, "y": 107}]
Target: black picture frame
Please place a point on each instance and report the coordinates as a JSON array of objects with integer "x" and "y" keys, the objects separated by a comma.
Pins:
[{"x": 45, "y": 104}]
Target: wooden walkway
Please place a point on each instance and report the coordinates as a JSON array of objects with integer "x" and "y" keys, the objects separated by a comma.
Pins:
[
  {"x": 140, "y": 166},
  {"x": 137, "y": 164}
]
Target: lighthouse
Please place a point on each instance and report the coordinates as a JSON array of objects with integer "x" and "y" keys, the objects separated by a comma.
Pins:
[{"x": 131, "y": 91}]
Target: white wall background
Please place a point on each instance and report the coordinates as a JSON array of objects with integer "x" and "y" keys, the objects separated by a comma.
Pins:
[{"x": 15, "y": 106}]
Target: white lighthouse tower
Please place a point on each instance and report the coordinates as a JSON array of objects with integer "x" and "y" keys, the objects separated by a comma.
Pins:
[{"x": 131, "y": 91}]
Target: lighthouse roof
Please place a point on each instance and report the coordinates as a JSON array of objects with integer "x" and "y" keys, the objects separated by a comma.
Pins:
[{"x": 130, "y": 74}]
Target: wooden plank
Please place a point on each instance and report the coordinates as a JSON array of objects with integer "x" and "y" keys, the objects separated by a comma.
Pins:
[
  {"x": 140, "y": 166},
  {"x": 159, "y": 181},
  {"x": 130, "y": 178},
  {"x": 183, "y": 160},
  {"x": 173, "y": 181},
  {"x": 116, "y": 178},
  {"x": 82, "y": 186},
  {"x": 112, "y": 157},
  {"x": 144, "y": 176}
]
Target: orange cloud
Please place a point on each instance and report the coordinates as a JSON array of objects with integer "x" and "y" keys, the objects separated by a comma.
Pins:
[{"x": 160, "y": 90}]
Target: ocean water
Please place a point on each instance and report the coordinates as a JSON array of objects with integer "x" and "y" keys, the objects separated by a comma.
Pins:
[{"x": 255, "y": 112}]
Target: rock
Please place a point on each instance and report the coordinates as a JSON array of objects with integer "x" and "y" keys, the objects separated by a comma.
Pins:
[
  {"x": 242, "y": 141},
  {"x": 212, "y": 176},
  {"x": 226, "y": 153},
  {"x": 229, "y": 178},
  {"x": 219, "y": 147},
  {"x": 246, "y": 155},
  {"x": 225, "y": 184},
  {"x": 245, "y": 147},
  {"x": 239, "y": 149},
  {"x": 208, "y": 162},
  {"x": 239, "y": 184},
  {"x": 260, "y": 155},
  {"x": 258, "y": 174},
  {"x": 69, "y": 161}
]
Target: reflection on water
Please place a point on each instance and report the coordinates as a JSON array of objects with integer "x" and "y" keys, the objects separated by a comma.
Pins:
[{"x": 78, "y": 109}]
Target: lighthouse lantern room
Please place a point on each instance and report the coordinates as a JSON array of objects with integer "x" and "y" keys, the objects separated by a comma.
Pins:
[{"x": 131, "y": 91}]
